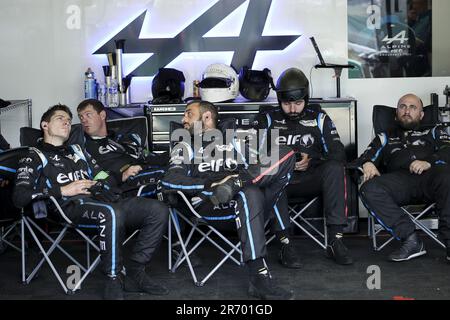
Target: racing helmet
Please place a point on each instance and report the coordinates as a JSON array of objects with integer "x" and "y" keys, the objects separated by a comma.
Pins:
[
  {"x": 219, "y": 83},
  {"x": 168, "y": 86},
  {"x": 292, "y": 85},
  {"x": 254, "y": 85}
]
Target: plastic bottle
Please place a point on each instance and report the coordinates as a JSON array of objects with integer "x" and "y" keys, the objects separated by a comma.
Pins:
[
  {"x": 101, "y": 93},
  {"x": 113, "y": 94},
  {"x": 90, "y": 90}
]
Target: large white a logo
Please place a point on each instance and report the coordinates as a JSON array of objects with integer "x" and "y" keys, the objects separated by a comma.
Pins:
[{"x": 400, "y": 37}]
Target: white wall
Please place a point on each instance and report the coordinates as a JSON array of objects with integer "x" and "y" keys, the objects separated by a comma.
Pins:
[
  {"x": 41, "y": 59},
  {"x": 441, "y": 38}
]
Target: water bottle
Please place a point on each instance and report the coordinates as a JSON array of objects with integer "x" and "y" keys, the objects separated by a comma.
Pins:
[
  {"x": 90, "y": 90},
  {"x": 101, "y": 93},
  {"x": 113, "y": 94}
]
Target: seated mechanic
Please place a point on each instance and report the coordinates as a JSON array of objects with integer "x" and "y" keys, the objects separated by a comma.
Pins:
[
  {"x": 79, "y": 185},
  {"x": 123, "y": 155},
  {"x": 319, "y": 169},
  {"x": 415, "y": 161},
  {"x": 218, "y": 174}
]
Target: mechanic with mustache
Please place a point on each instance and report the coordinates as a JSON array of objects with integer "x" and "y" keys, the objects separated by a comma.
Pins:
[{"x": 415, "y": 160}]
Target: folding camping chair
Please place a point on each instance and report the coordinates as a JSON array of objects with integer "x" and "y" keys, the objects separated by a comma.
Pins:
[
  {"x": 297, "y": 208},
  {"x": 9, "y": 162},
  {"x": 383, "y": 118}
]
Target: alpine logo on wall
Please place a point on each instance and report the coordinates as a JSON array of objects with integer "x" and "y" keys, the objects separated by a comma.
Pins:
[
  {"x": 194, "y": 37},
  {"x": 389, "y": 38}
]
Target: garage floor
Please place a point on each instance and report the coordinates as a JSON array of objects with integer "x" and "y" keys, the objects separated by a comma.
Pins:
[{"x": 427, "y": 277}]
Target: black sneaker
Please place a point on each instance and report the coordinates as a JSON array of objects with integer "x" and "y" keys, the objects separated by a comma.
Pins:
[
  {"x": 138, "y": 281},
  {"x": 113, "y": 289},
  {"x": 412, "y": 247},
  {"x": 262, "y": 287},
  {"x": 337, "y": 251},
  {"x": 288, "y": 257}
]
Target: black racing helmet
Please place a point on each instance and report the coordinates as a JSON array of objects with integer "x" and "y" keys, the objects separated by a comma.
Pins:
[
  {"x": 254, "y": 85},
  {"x": 292, "y": 85},
  {"x": 168, "y": 86}
]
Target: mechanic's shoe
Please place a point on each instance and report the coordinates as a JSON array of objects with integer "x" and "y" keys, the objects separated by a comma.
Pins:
[
  {"x": 138, "y": 281},
  {"x": 412, "y": 247},
  {"x": 337, "y": 251},
  {"x": 261, "y": 286},
  {"x": 288, "y": 257},
  {"x": 113, "y": 289}
]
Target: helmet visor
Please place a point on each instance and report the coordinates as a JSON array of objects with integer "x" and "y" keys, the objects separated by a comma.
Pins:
[
  {"x": 215, "y": 83},
  {"x": 292, "y": 95}
]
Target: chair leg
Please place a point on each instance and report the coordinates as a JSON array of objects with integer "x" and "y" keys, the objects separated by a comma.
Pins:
[
  {"x": 22, "y": 242},
  {"x": 70, "y": 257},
  {"x": 85, "y": 274},
  {"x": 177, "y": 230},
  {"x": 46, "y": 257},
  {"x": 5, "y": 234},
  {"x": 374, "y": 232},
  {"x": 295, "y": 215},
  {"x": 205, "y": 236},
  {"x": 420, "y": 225},
  {"x": 169, "y": 243}
]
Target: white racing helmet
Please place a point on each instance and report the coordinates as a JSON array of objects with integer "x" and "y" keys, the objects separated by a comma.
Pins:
[{"x": 219, "y": 83}]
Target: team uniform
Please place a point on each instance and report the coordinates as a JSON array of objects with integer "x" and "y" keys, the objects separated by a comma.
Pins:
[
  {"x": 47, "y": 168},
  {"x": 192, "y": 171},
  {"x": 315, "y": 134},
  {"x": 117, "y": 152},
  {"x": 394, "y": 151}
]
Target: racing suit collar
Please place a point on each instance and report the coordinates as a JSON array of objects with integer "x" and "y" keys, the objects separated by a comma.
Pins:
[
  {"x": 52, "y": 148},
  {"x": 97, "y": 137}
]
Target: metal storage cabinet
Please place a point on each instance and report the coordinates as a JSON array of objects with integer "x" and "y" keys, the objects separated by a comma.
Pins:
[{"x": 341, "y": 111}]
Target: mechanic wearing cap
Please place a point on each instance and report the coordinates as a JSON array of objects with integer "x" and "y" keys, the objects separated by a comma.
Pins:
[{"x": 319, "y": 169}]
